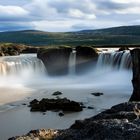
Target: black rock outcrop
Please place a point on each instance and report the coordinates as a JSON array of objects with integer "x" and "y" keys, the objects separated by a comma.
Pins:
[
  {"x": 56, "y": 60},
  {"x": 135, "y": 54},
  {"x": 55, "y": 104},
  {"x": 117, "y": 123}
]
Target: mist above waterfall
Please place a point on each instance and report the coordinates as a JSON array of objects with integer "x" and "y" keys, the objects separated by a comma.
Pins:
[{"x": 111, "y": 73}]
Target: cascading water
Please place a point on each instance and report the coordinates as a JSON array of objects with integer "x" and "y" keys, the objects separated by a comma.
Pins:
[
  {"x": 114, "y": 60},
  {"x": 23, "y": 64},
  {"x": 72, "y": 62}
]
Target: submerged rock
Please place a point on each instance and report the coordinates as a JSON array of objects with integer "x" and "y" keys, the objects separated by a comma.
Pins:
[
  {"x": 57, "y": 93},
  {"x": 61, "y": 114},
  {"x": 90, "y": 107},
  {"x": 97, "y": 94},
  {"x": 55, "y": 104},
  {"x": 117, "y": 123}
]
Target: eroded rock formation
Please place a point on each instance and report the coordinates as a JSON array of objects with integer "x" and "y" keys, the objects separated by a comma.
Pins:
[
  {"x": 85, "y": 57},
  {"x": 55, "y": 59},
  {"x": 136, "y": 75}
]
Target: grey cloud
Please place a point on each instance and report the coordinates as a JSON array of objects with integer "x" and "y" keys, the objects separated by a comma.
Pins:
[
  {"x": 111, "y": 5},
  {"x": 76, "y": 14}
]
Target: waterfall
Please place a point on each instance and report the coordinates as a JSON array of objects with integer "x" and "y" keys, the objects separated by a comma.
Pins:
[
  {"x": 29, "y": 64},
  {"x": 72, "y": 62},
  {"x": 23, "y": 64},
  {"x": 114, "y": 60}
]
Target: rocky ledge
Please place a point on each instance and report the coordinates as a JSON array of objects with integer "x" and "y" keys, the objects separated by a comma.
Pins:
[{"x": 118, "y": 123}]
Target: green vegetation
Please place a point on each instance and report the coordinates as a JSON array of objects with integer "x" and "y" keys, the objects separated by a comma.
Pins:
[{"x": 129, "y": 35}]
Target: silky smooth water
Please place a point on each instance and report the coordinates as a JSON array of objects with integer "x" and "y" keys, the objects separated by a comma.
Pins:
[{"x": 24, "y": 77}]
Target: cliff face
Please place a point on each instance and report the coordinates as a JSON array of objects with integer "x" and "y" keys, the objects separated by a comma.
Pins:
[
  {"x": 55, "y": 60},
  {"x": 136, "y": 75},
  {"x": 85, "y": 57}
]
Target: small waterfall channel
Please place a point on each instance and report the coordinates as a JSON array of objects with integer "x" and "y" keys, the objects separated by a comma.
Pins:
[{"x": 72, "y": 62}]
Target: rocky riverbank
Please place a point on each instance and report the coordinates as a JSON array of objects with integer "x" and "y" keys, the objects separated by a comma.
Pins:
[
  {"x": 12, "y": 49},
  {"x": 117, "y": 123},
  {"x": 9, "y": 49}
]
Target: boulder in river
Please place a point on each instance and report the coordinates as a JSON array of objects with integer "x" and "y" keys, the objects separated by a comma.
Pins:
[
  {"x": 97, "y": 94},
  {"x": 57, "y": 93},
  {"x": 63, "y": 104}
]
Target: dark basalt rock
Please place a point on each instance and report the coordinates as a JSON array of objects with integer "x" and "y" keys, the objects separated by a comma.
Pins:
[
  {"x": 30, "y": 50},
  {"x": 117, "y": 123},
  {"x": 85, "y": 57},
  {"x": 61, "y": 114},
  {"x": 135, "y": 54},
  {"x": 56, "y": 60},
  {"x": 123, "y": 49},
  {"x": 97, "y": 94},
  {"x": 57, "y": 93},
  {"x": 90, "y": 107},
  {"x": 55, "y": 104},
  {"x": 35, "y": 101}
]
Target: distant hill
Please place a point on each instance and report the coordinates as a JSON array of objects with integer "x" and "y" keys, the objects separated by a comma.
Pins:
[{"x": 124, "y": 35}]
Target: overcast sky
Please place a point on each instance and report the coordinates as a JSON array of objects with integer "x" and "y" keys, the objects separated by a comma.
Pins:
[{"x": 67, "y": 15}]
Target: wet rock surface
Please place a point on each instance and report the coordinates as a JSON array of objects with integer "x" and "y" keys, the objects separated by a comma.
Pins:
[
  {"x": 97, "y": 94},
  {"x": 63, "y": 104},
  {"x": 123, "y": 49},
  {"x": 117, "y": 123},
  {"x": 57, "y": 93}
]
